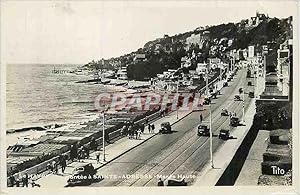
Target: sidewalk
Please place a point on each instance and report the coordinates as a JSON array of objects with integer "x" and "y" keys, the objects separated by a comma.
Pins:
[
  {"x": 222, "y": 157},
  {"x": 112, "y": 152},
  {"x": 252, "y": 169}
]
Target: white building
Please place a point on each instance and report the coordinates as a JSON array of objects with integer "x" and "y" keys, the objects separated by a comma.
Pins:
[
  {"x": 139, "y": 57},
  {"x": 201, "y": 68},
  {"x": 122, "y": 73}
]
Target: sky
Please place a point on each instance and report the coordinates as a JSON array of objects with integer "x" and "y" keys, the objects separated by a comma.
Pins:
[{"x": 76, "y": 32}]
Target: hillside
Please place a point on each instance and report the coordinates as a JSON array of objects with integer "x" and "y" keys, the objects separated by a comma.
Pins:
[{"x": 198, "y": 45}]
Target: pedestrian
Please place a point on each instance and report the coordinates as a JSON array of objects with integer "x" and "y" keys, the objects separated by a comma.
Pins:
[
  {"x": 12, "y": 180},
  {"x": 53, "y": 166},
  {"x": 56, "y": 168},
  {"x": 87, "y": 152},
  {"x": 153, "y": 127},
  {"x": 17, "y": 182},
  {"x": 136, "y": 133},
  {"x": 142, "y": 128},
  {"x": 106, "y": 137},
  {"x": 63, "y": 164},
  {"x": 78, "y": 154},
  {"x": 122, "y": 132},
  {"x": 25, "y": 180},
  {"x": 146, "y": 121},
  {"x": 73, "y": 152},
  {"x": 201, "y": 118},
  {"x": 129, "y": 132},
  {"x": 160, "y": 182},
  {"x": 139, "y": 134},
  {"x": 49, "y": 167},
  {"x": 98, "y": 156},
  {"x": 149, "y": 128}
]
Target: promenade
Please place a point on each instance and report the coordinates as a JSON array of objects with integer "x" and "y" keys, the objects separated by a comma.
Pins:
[{"x": 112, "y": 151}]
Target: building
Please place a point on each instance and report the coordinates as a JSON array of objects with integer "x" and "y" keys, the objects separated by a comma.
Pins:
[
  {"x": 139, "y": 57},
  {"x": 256, "y": 20},
  {"x": 283, "y": 68},
  {"x": 250, "y": 51},
  {"x": 185, "y": 62},
  {"x": 213, "y": 63},
  {"x": 122, "y": 73},
  {"x": 201, "y": 68}
]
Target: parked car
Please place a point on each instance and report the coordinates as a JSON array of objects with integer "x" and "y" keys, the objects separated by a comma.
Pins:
[
  {"x": 224, "y": 134},
  {"x": 237, "y": 98},
  {"x": 225, "y": 84},
  {"x": 224, "y": 112},
  {"x": 175, "y": 182},
  {"x": 207, "y": 101},
  {"x": 241, "y": 90},
  {"x": 165, "y": 128},
  {"x": 251, "y": 94},
  {"x": 234, "y": 121},
  {"x": 248, "y": 73},
  {"x": 203, "y": 130},
  {"x": 214, "y": 95},
  {"x": 83, "y": 175}
]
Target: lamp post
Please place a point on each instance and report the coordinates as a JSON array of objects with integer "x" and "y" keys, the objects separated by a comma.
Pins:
[
  {"x": 210, "y": 123},
  {"x": 210, "y": 137},
  {"x": 178, "y": 98},
  {"x": 103, "y": 132},
  {"x": 103, "y": 136},
  {"x": 244, "y": 105}
]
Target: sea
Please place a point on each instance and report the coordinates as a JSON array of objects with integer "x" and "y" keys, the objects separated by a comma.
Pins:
[{"x": 36, "y": 96}]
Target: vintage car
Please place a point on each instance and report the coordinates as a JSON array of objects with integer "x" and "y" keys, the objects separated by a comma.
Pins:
[
  {"x": 84, "y": 175},
  {"x": 165, "y": 128},
  {"x": 224, "y": 134},
  {"x": 207, "y": 101},
  {"x": 248, "y": 73},
  {"x": 214, "y": 95},
  {"x": 251, "y": 94},
  {"x": 240, "y": 90},
  {"x": 224, "y": 112},
  {"x": 225, "y": 84},
  {"x": 237, "y": 98},
  {"x": 234, "y": 121},
  {"x": 176, "y": 182},
  {"x": 203, "y": 130}
]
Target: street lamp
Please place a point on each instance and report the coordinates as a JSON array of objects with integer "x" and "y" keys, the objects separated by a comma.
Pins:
[
  {"x": 210, "y": 123},
  {"x": 210, "y": 137},
  {"x": 103, "y": 133},
  {"x": 177, "y": 97},
  {"x": 244, "y": 105}
]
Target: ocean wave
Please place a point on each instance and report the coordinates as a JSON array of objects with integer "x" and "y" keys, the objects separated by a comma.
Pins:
[
  {"x": 34, "y": 128},
  {"x": 78, "y": 102}
]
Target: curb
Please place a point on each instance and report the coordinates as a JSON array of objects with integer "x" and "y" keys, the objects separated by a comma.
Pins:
[{"x": 140, "y": 143}]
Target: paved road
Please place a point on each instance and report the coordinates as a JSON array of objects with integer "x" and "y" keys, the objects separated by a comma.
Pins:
[{"x": 179, "y": 153}]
